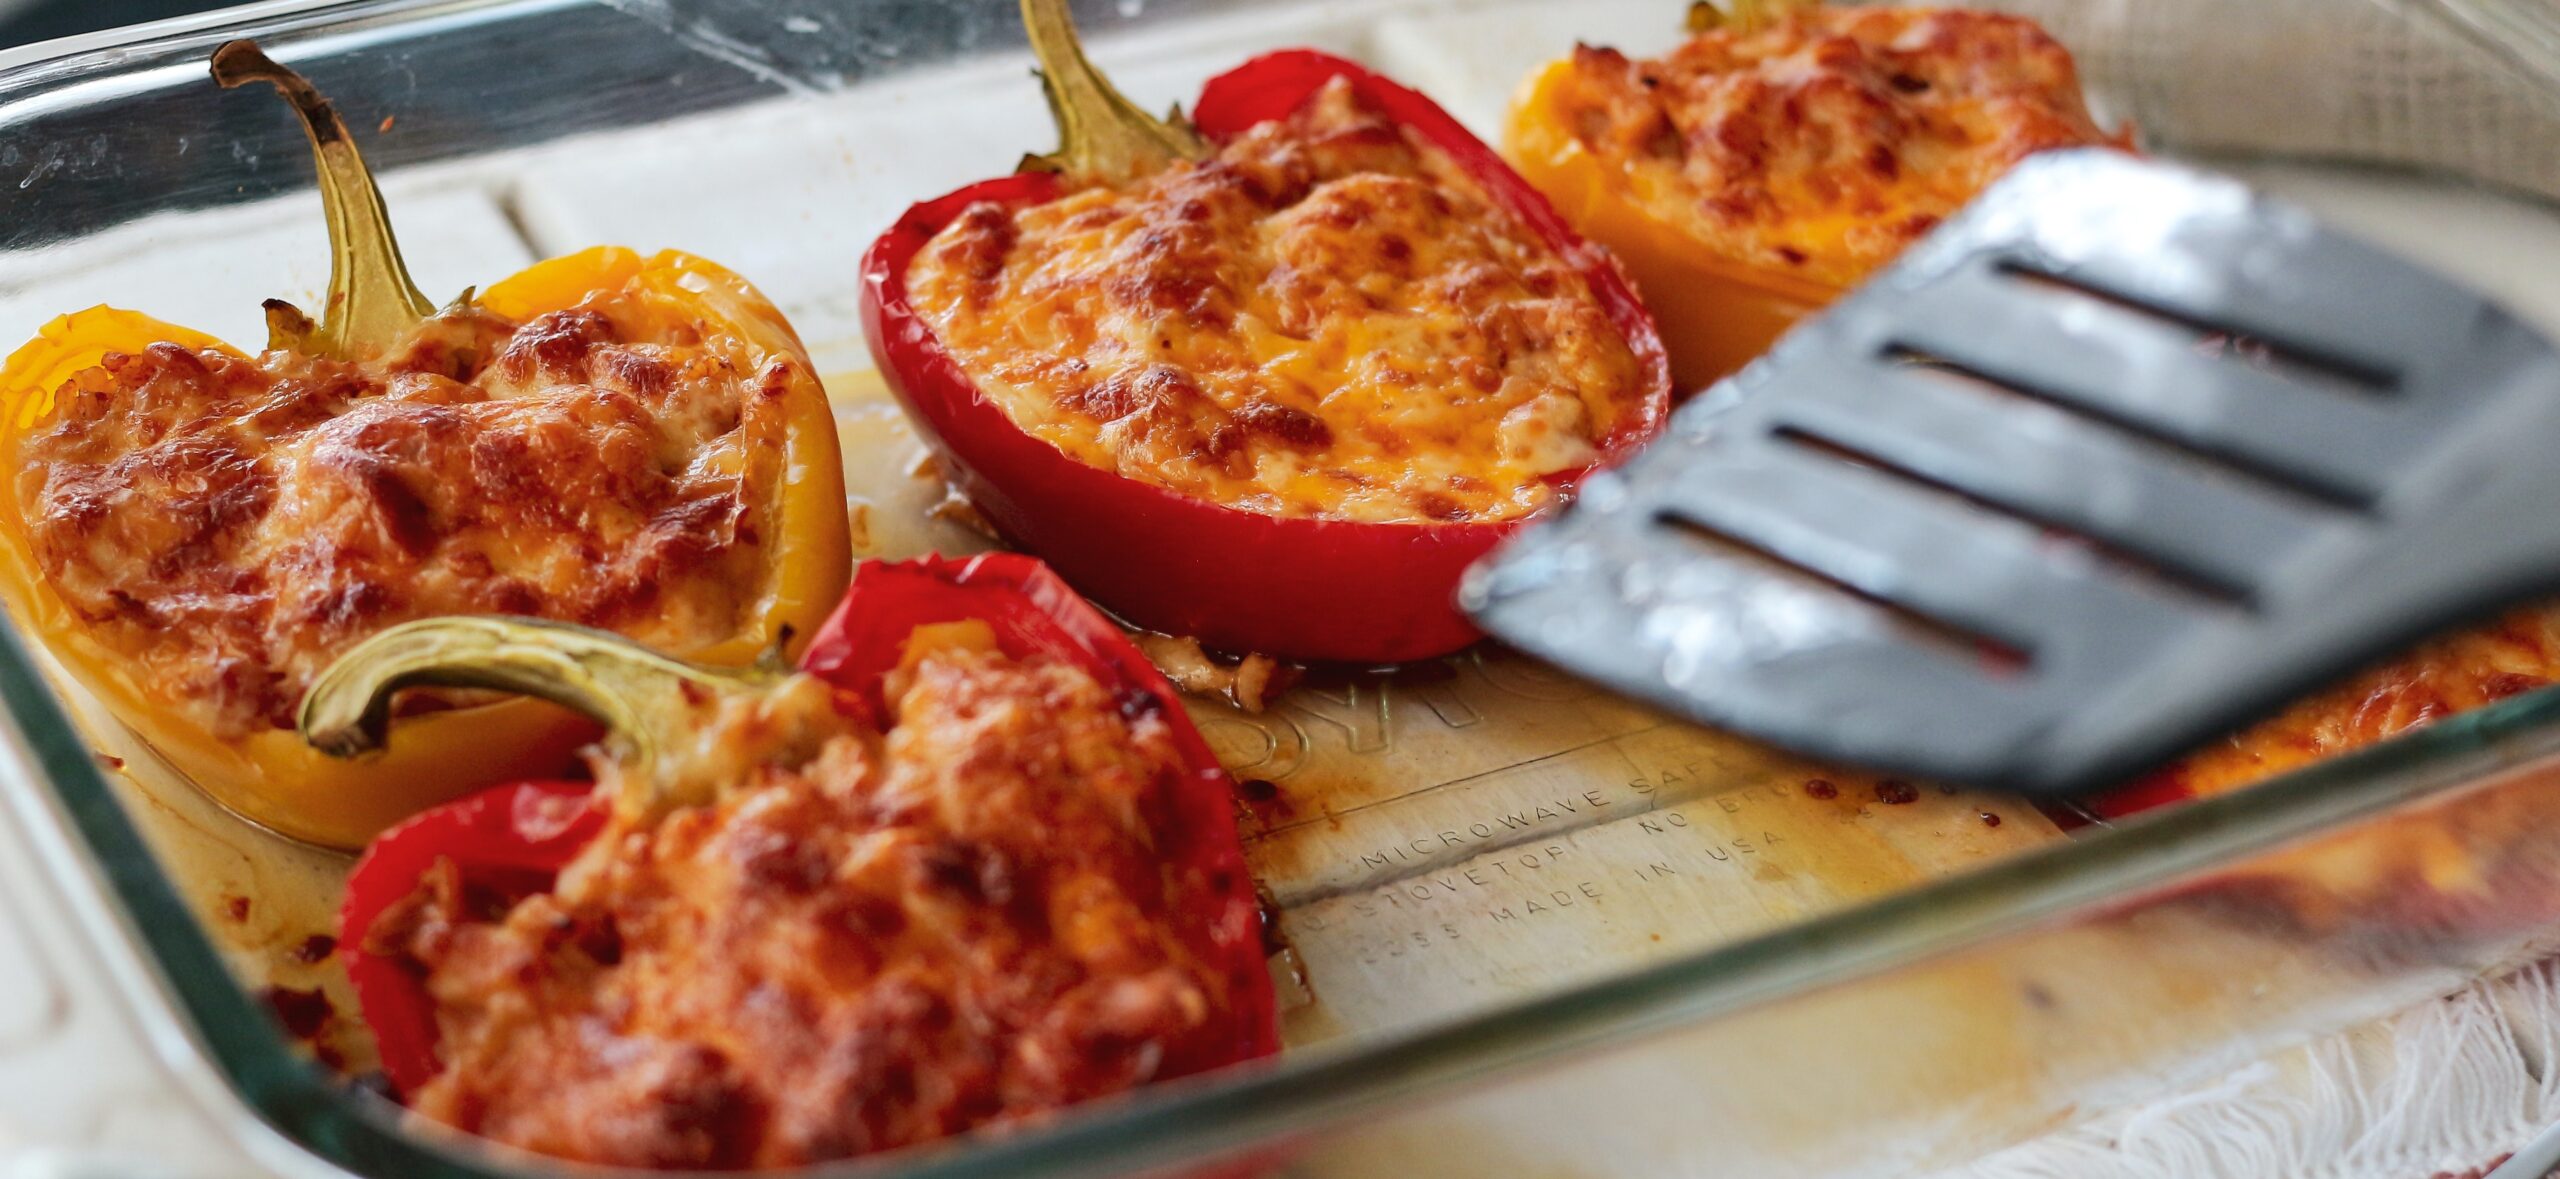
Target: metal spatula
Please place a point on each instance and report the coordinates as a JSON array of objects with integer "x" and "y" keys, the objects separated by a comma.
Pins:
[{"x": 2118, "y": 459}]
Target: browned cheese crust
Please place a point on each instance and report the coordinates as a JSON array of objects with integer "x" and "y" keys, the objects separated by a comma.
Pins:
[
  {"x": 1821, "y": 145},
  {"x": 1326, "y": 319},
  {"x": 869, "y": 942},
  {"x": 2446, "y": 675},
  {"x": 231, "y": 525}
]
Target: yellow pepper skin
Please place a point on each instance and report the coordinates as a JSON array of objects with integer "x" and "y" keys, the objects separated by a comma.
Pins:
[
  {"x": 1715, "y": 313},
  {"x": 271, "y": 777}
]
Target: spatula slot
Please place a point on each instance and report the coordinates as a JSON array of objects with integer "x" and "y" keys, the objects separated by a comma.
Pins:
[
  {"x": 2293, "y": 360},
  {"x": 2163, "y": 571},
  {"x": 2290, "y": 485},
  {"x": 1999, "y": 653}
]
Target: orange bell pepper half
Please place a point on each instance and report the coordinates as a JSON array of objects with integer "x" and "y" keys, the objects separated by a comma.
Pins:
[
  {"x": 269, "y": 775},
  {"x": 1775, "y": 95},
  {"x": 1715, "y": 313}
]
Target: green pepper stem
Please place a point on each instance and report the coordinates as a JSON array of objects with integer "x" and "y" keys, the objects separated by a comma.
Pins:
[
  {"x": 639, "y": 695},
  {"x": 1102, "y": 136},
  {"x": 1741, "y": 16},
  {"x": 373, "y": 304}
]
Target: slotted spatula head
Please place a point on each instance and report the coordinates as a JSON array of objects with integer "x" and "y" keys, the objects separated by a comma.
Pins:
[{"x": 2121, "y": 457}]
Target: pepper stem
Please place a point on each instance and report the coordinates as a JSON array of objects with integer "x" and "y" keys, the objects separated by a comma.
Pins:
[
  {"x": 1741, "y": 16},
  {"x": 373, "y": 304},
  {"x": 638, "y": 694},
  {"x": 1102, "y": 136}
]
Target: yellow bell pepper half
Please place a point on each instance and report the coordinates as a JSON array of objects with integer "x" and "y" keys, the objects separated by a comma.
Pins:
[{"x": 270, "y": 776}]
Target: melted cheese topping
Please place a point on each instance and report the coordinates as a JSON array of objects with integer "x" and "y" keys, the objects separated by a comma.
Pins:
[
  {"x": 232, "y": 525},
  {"x": 2441, "y": 677},
  {"x": 870, "y": 941},
  {"x": 1327, "y": 319},
  {"x": 1821, "y": 145},
  {"x": 2472, "y": 859}
]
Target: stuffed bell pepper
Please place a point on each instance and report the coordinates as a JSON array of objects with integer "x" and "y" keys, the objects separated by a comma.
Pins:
[
  {"x": 2449, "y": 674},
  {"x": 1784, "y": 153},
  {"x": 968, "y": 864},
  {"x": 635, "y": 442},
  {"x": 1269, "y": 378}
]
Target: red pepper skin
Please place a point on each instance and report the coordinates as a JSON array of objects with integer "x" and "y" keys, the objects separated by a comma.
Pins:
[
  {"x": 515, "y": 839},
  {"x": 1320, "y": 590},
  {"x": 2158, "y": 788},
  {"x": 512, "y": 839}
]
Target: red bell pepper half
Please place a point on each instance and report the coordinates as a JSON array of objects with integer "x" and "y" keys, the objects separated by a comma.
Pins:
[
  {"x": 1299, "y": 588},
  {"x": 512, "y": 841}
]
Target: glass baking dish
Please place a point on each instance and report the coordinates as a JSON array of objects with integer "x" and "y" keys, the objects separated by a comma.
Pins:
[{"x": 1534, "y": 931}]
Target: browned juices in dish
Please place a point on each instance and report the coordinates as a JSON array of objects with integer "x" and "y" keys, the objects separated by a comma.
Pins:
[
  {"x": 1327, "y": 318},
  {"x": 233, "y": 524},
  {"x": 870, "y": 940}
]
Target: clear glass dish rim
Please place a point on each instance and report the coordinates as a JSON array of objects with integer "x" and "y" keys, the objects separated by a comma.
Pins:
[
  {"x": 1309, "y": 1088},
  {"x": 1216, "y": 1117}
]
